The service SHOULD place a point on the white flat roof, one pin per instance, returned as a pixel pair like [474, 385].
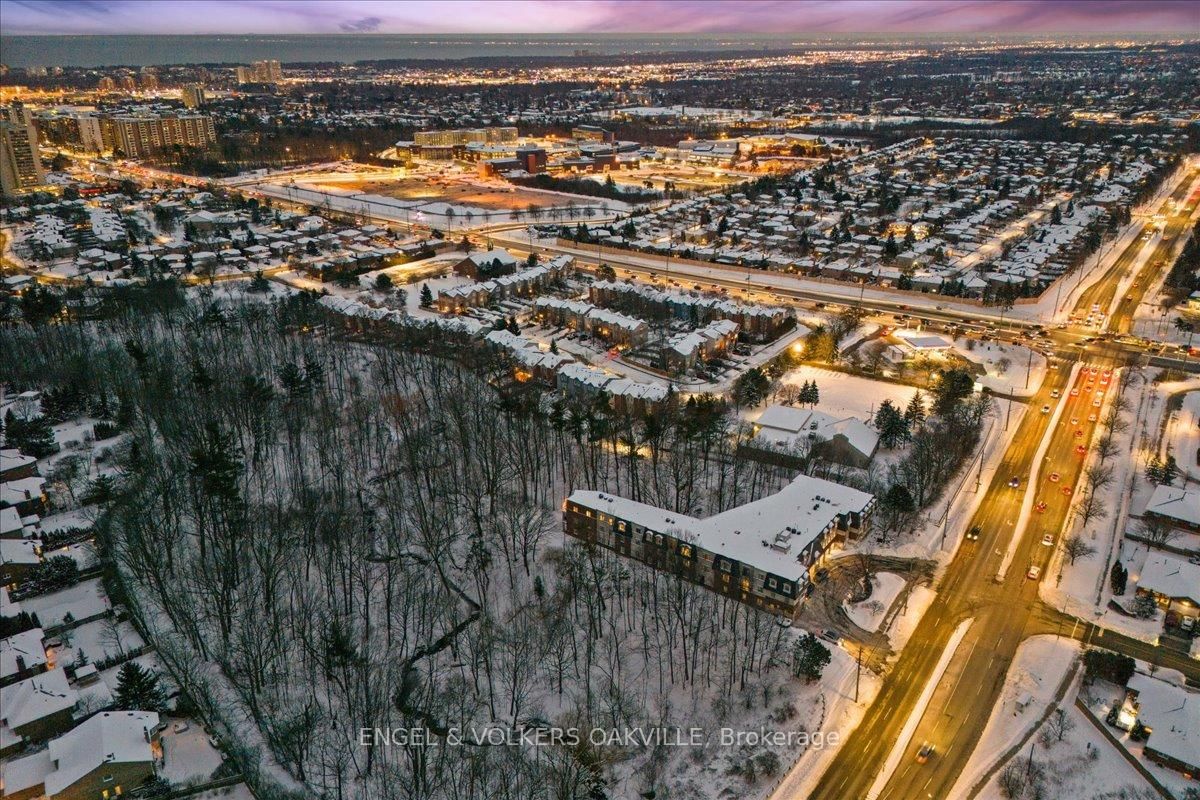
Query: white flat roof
[769, 534]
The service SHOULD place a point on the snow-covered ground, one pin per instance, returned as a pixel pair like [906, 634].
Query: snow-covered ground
[81, 601]
[849, 395]
[1084, 589]
[100, 640]
[1037, 671]
[1183, 436]
[841, 715]
[187, 754]
[1083, 765]
[1010, 367]
[870, 612]
[919, 601]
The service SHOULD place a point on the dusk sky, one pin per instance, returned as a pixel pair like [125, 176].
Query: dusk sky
[1179, 17]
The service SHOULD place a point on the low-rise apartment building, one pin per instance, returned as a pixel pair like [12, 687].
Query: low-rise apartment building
[762, 553]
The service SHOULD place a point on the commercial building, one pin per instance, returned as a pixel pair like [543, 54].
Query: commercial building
[464, 136]
[20, 166]
[762, 553]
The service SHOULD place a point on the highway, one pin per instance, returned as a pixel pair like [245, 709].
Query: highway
[1005, 611]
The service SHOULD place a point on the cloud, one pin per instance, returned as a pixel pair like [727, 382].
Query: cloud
[364, 25]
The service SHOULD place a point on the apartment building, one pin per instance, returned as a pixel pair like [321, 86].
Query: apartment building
[762, 553]
[20, 166]
[140, 135]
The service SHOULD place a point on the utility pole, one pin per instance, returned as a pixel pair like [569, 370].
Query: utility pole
[1028, 368]
[1029, 765]
[858, 671]
[1007, 414]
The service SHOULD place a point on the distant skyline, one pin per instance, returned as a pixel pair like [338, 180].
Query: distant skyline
[800, 17]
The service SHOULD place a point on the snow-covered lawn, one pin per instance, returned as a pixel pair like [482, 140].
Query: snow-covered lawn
[1037, 670]
[1183, 435]
[849, 395]
[82, 601]
[869, 613]
[1010, 367]
[100, 640]
[187, 754]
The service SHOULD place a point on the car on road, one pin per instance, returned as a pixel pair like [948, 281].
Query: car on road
[1045, 409]
[1053, 477]
[1097, 402]
[1040, 507]
[1081, 449]
[1079, 434]
[974, 532]
[925, 753]
[1066, 490]
[1033, 572]
[831, 636]
[1048, 540]
[1054, 392]
[1092, 417]
[1074, 420]
[1075, 392]
[1014, 482]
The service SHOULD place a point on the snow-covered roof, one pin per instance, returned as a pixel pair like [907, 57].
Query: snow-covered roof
[26, 646]
[1170, 575]
[784, 424]
[110, 737]
[1173, 715]
[10, 522]
[36, 698]
[18, 551]
[1175, 503]
[770, 534]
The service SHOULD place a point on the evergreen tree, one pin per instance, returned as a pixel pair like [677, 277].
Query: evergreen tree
[914, 413]
[809, 658]
[1170, 471]
[259, 283]
[554, 347]
[892, 427]
[1117, 577]
[139, 689]
[383, 282]
[426, 296]
[513, 328]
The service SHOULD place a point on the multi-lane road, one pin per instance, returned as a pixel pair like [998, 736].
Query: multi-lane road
[1005, 609]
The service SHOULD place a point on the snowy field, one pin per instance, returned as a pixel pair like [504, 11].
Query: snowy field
[849, 395]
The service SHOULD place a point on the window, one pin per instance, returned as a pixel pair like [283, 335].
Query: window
[658, 539]
[725, 565]
[771, 583]
[685, 550]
